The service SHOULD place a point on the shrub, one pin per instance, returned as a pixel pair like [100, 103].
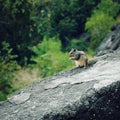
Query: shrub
[49, 58]
[7, 67]
[99, 25]
[80, 44]
[102, 19]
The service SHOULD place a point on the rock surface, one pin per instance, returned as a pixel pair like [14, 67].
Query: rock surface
[111, 42]
[77, 94]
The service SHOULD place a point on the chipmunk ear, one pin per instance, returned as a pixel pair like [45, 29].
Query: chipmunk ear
[73, 49]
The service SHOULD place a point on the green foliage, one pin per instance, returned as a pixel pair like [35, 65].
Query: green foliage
[7, 66]
[109, 7]
[99, 25]
[80, 44]
[64, 18]
[23, 23]
[91, 52]
[102, 19]
[16, 26]
[49, 58]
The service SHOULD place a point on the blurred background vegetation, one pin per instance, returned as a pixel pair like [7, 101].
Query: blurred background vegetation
[36, 36]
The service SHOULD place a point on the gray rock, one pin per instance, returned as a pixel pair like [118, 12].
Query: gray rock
[20, 98]
[76, 94]
[111, 42]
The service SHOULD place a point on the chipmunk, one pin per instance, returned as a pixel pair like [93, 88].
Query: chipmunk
[79, 57]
